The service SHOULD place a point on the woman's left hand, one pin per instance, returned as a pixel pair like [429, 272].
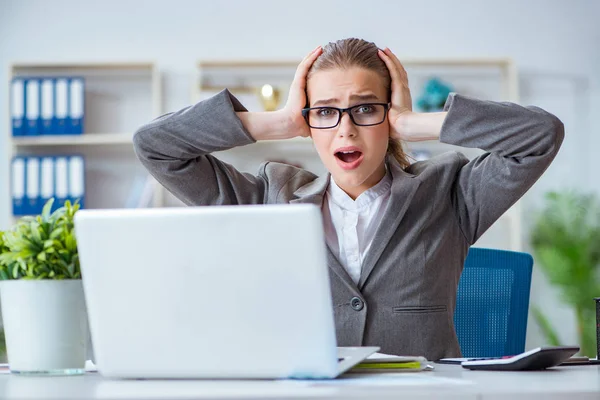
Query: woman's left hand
[405, 124]
[401, 99]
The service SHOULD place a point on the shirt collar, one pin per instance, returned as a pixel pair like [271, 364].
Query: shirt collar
[341, 198]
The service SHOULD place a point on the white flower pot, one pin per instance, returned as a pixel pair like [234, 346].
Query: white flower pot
[45, 324]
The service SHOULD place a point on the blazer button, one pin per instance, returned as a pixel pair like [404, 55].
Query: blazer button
[357, 304]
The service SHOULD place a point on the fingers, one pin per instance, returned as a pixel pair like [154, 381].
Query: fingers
[297, 96]
[304, 66]
[395, 75]
[398, 64]
[397, 71]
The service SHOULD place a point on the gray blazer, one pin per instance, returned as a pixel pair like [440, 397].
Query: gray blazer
[404, 301]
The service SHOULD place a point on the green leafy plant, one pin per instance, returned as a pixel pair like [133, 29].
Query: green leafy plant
[41, 247]
[566, 243]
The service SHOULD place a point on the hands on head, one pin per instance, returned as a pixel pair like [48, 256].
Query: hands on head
[401, 101]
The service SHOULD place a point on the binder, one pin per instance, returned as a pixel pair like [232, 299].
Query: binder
[76, 106]
[47, 181]
[32, 186]
[18, 185]
[76, 180]
[61, 188]
[61, 88]
[32, 106]
[47, 106]
[17, 106]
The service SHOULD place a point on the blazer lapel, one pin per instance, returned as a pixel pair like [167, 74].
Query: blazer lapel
[404, 186]
[313, 193]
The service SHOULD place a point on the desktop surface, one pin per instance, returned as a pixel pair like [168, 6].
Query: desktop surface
[447, 381]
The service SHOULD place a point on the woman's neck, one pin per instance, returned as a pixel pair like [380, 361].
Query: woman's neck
[371, 181]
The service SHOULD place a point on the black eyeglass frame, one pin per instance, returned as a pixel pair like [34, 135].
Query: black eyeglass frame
[348, 110]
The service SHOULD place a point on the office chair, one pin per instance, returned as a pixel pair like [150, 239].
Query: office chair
[492, 303]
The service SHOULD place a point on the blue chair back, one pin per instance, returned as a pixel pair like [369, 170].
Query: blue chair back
[492, 303]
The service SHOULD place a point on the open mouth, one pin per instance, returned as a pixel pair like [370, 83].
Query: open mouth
[348, 156]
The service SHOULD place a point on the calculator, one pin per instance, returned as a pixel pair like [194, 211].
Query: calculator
[536, 359]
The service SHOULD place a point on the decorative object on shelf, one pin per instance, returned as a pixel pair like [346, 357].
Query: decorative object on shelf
[269, 97]
[434, 95]
[37, 179]
[43, 305]
[47, 106]
[565, 240]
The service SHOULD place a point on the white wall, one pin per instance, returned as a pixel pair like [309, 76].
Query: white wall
[556, 46]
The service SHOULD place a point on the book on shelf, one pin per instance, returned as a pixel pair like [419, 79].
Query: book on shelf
[47, 106]
[34, 180]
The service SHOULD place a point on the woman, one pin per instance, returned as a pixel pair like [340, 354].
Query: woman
[397, 234]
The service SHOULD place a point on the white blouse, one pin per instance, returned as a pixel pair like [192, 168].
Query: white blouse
[350, 225]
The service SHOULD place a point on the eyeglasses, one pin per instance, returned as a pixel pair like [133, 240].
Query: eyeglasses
[368, 114]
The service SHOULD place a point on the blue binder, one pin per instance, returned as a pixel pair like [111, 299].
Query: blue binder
[47, 180]
[76, 106]
[61, 110]
[47, 106]
[61, 180]
[77, 180]
[17, 106]
[32, 186]
[18, 185]
[32, 106]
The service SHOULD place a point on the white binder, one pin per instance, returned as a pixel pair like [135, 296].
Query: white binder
[47, 180]
[17, 107]
[76, 106]
[76, 180]
[47, 92]
[32, 191]
[62, 178]
[18, 185]
[62, 103]
[32, 106]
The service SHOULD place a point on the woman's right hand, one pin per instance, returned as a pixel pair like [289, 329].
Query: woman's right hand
[292, 111]
[287, 122]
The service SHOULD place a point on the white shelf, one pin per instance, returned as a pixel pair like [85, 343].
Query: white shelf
[450, 62]
[80, 65]
[87, 139]
[243, 77]
[120, 96]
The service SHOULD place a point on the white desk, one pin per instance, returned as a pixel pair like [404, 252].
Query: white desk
[447, 381]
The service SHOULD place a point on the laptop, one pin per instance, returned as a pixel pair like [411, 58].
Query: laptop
[232, 292]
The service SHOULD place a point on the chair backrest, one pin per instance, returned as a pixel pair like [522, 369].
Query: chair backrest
[492, 303]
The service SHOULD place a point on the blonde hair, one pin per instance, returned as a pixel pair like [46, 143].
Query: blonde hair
[347, 53]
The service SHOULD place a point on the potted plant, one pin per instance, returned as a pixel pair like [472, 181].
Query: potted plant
[566, 242]
[41, 294]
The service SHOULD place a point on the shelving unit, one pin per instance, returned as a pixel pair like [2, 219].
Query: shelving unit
[73, 140]
[119, 97]
[490, 78]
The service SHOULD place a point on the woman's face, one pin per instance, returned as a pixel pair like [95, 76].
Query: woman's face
[354, 155]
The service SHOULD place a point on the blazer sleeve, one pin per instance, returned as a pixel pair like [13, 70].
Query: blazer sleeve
[176, 147]
[520, 143]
